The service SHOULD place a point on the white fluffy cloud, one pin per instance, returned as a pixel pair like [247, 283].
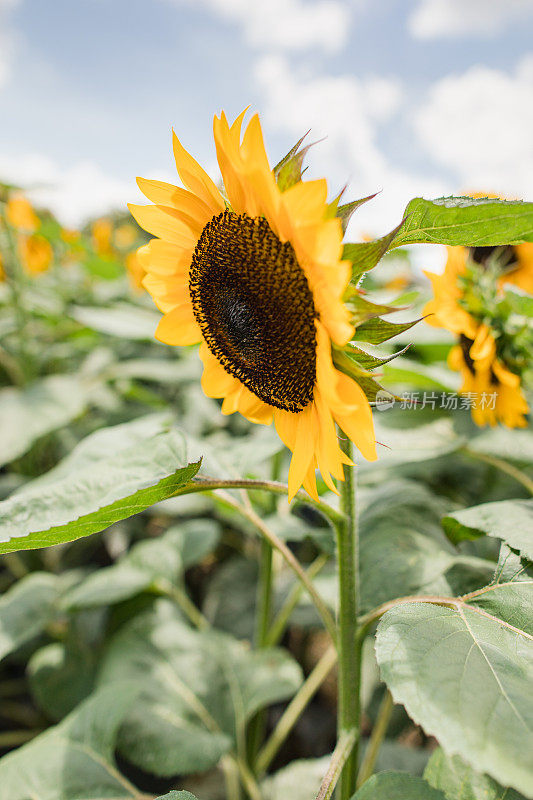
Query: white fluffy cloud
[349, 112]
[480, 126]
[287, 24]
[434, 19]
[74, 194]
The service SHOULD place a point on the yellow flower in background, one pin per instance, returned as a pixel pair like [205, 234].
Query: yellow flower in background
[20, 214]
[2, 270]
[102, 233]
[70, 235]
[136, 271]
[475, 357]
[520, 273]
[125, 236]
[35, 253]
[258, 280]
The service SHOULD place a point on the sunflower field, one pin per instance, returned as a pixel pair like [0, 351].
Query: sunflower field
[266, 515]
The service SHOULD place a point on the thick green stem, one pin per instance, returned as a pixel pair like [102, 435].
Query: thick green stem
[376, 738]
[348, 644]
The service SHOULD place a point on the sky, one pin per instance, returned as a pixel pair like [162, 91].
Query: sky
[413, 97]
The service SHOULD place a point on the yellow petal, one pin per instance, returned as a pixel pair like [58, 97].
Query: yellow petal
[165, 194]
[166, 259]
[179, 327]
[357, 425]
[166, 294]
[194, 177]
[163, 224]
[303, 453]
[216, 382]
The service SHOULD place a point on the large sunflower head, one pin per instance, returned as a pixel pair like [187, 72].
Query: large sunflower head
[255, 275]
[472, 299]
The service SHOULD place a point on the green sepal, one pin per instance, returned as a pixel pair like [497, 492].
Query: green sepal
[365, 255]
[344, 212]
[377, 331]
[362, 309]
[288, 171]
[366, 362]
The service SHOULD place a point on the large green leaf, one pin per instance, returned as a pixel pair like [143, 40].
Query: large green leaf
[112, 474]
[27, 414]
[458, 781]
[510, 520]
[26, 610]
[147, 566]
[200, 689]
[397, 786]
[73, 760]
[464, 673]
[466, 221]
[60, 676]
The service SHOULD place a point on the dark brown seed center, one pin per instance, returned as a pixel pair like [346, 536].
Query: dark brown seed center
[255, 308]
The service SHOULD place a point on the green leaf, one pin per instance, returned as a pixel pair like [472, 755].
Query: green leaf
[26, 609]
[466, 221]
[458, 781]
[200, 689]
[29, 413]
[377, 331]
[364, 256]
[61, 676]
[512, 445]
[464, 673]
[289, 171]
[73, 760]
[110, 475]
[397, 786]
[177, 796]
[300, 780]
[510, 520]
[122, 319]
[145, 566]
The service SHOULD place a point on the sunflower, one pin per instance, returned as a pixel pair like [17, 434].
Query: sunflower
[35, 253]
[256, 277]
[477, 355]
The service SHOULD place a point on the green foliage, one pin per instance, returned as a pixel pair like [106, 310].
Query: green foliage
[147, 640]
[200, 689]
[466, 221]
[74, 760]
[110, 475]
[458, 781]
[397, 786]
[29, 413]
[462, 672]
[510, 520]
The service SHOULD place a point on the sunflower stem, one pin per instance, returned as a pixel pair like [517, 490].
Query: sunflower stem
[348, 644]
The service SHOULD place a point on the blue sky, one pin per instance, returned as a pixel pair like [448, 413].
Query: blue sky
[415, 96]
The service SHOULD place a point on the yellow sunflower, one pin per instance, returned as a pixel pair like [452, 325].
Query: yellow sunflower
[497, 390]
[256, 277]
